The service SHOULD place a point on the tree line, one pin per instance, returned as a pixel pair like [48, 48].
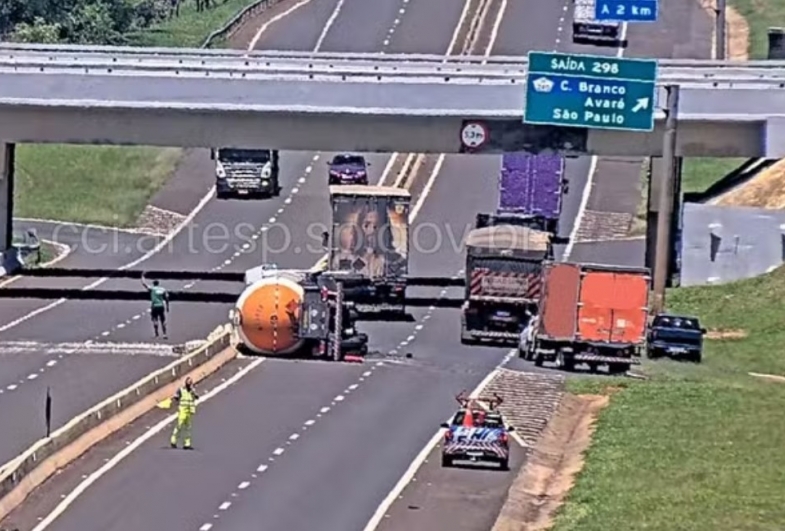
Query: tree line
[85, 21]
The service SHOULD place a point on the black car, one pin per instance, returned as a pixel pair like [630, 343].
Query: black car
[348, 169]
[677, 336]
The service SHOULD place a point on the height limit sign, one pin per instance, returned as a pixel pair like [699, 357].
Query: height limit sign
[474, 135]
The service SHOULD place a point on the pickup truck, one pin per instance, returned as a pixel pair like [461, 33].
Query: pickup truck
[677, 336]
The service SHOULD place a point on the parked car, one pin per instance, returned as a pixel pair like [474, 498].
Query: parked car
[677, 336]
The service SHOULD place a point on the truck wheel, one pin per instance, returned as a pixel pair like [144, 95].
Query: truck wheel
[696, 358]
[504, 464]
[566, 362]
[652, 353]
[538, 360]
[446, 461]
[222, 195]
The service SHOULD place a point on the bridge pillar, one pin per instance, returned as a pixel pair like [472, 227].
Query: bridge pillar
[6, 196]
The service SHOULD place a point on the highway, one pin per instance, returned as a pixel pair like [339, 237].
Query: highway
[344, 460]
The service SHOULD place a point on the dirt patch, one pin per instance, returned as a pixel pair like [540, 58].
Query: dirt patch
[765, 190]
[769, 377]
[725, 334]
[550, 471]
[737, 32]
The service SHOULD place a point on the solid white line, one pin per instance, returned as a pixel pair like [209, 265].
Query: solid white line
[149, 254]
[427, 189]
[581, 208]
[592, 170]
[329, 25]
[272, 21]
[388, 168]
[454, 39]
[415, 465]
[125, 452]
[495, 30]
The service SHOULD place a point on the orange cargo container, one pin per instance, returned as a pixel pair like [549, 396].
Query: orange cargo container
[594, 304]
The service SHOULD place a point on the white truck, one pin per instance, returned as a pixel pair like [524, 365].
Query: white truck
[587, 30]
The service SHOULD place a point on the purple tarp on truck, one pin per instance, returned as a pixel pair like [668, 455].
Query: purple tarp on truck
[531, 185]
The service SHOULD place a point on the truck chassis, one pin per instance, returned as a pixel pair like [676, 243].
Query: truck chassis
[567, 355]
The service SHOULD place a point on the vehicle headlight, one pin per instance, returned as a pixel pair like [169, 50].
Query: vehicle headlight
[265, 182]
[220, 172]
[349, 331]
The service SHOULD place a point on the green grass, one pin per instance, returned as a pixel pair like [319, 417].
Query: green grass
[760, 16]
[701, 172]
[695, 447]
[106, 184]
[190, 29]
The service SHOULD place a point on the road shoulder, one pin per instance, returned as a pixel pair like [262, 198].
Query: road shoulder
[542, 485]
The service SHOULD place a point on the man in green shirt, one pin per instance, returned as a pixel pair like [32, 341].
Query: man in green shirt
[159, 305]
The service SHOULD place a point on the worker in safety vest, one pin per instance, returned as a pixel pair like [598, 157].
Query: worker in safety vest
[186, 398]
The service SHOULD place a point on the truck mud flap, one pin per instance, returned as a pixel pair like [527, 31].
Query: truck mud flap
[593, 358]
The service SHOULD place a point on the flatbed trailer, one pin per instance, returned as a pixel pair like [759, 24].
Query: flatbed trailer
[592, 314]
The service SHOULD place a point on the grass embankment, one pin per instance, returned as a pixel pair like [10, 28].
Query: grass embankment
[695, 447]
[701, 172]
[760, 16]
[110, 185]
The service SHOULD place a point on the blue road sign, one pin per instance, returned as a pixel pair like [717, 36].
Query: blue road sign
[626, 10]
[590, 91]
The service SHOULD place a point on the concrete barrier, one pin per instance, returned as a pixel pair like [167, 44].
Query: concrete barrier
[21, 475]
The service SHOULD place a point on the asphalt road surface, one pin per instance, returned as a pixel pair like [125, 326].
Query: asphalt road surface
[335, 475]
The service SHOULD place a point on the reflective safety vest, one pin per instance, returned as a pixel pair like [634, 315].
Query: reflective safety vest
[187, 401]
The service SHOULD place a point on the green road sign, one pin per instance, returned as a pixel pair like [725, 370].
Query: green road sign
[590, 91]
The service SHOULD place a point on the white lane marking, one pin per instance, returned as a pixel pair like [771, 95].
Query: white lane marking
[294, 436]
[225, 505]
[261, 468]
[339, 398]
[454, 39]
[330, 22]
[149, 254]
[415, 465]
[206, 527]
[278, 451]
[388, 168]
[427, 189]
[139, 441]
[592, 171]
[244, 485]
[310, 422]
[258, 35]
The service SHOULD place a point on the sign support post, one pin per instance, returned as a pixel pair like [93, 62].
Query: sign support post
[662, 251]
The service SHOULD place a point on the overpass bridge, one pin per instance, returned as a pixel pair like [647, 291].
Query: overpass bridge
[365, 102]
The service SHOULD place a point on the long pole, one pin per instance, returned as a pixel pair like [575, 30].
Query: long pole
[720, 29]
[662, 251]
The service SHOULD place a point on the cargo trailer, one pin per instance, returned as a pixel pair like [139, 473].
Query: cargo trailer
[531, 186]
[592, 314]
[587, 30]
[503, 281]
[370, 238]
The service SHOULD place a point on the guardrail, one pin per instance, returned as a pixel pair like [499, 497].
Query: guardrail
[238, 20]
[21, 475]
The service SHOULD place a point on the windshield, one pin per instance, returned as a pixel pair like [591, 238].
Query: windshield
[683, 323]
[258, 155]
[354, 160]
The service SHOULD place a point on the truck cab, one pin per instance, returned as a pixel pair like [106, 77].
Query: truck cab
[246, 173]
[587, 30]
[678, 336]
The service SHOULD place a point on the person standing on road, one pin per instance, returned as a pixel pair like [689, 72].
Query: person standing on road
[159, 305]
[186, 398]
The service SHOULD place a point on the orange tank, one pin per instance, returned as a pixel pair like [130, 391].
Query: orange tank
[267, 313]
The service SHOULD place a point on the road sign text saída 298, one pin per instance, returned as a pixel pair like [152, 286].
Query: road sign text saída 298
[590, 91]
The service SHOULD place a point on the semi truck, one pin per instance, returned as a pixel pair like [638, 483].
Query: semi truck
[503, 280]
[247, 173]
[587, 30]
[294, 313]
[531, 186]
[369, 237]
[592, 314]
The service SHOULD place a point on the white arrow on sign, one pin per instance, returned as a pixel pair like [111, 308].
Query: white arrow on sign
[643, 103]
